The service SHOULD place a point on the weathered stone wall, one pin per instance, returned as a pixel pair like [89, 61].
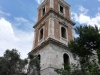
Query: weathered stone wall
[52, 57]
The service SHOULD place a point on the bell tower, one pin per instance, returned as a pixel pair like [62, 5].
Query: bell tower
[53, 31]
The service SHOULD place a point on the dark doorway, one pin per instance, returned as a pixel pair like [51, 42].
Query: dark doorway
[66, 60]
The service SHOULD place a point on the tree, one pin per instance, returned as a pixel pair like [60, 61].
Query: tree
[33, 65]
[11, 63]
[84, 46]
[86, 43]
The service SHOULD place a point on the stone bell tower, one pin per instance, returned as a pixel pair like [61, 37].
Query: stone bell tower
[53, 31]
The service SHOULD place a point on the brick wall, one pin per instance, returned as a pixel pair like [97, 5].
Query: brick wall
[56, 5]
[67, 12]
[36, 38]
[70, 37]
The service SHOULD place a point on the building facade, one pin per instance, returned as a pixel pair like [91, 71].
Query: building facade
[53, 32]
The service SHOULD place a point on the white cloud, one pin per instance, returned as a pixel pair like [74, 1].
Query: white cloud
[6, 27]
[14, 38]
[39, 1]
[3, 13]
[83, 10]
[86, 19]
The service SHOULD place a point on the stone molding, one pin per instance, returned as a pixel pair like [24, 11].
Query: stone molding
[64, 3]
[48, 41]
[53, 13]
[42, 4]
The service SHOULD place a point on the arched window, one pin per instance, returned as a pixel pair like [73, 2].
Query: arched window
[66, 60]
[39, 57]
[41, 33]
[61, 9]
[43, 11]
[63, 32]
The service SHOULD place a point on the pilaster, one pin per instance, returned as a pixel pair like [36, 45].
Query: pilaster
[51, 27]
[51, 3]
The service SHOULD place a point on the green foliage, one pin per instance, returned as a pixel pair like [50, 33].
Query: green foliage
[30, 55]
[34, 64]
[65, 71]
[66, 67]
[11, 63]
[93, 69]
[98, 54]
[86, 69]
[62, 71]
[34, 60]
[87, 42]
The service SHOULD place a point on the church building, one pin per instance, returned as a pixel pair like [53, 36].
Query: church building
[53, 32]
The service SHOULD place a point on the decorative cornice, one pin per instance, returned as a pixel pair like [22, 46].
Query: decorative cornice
[43, 3]
[48, 41]
[55, 12]
[63, 2]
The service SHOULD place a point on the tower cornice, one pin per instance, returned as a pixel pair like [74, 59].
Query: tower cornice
[55, 12]
[48, 41]
[59, 1]
[64, 3]
[43, 3]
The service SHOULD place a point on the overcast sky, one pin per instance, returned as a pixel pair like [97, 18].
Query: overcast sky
[18, 16]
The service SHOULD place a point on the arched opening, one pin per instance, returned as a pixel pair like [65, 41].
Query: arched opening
[41, 33]
[39, 57]
[63, 32]
[61, 9]
[43, 11]
[66, 60]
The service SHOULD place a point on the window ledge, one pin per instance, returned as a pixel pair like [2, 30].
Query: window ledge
[64, 39]
[41, 40]
[61, 13]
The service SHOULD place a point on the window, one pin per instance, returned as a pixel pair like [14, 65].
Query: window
[39, 58]
[41, 33]
[61, 9]
[43, 11]
[63, 32]
[66, 60]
